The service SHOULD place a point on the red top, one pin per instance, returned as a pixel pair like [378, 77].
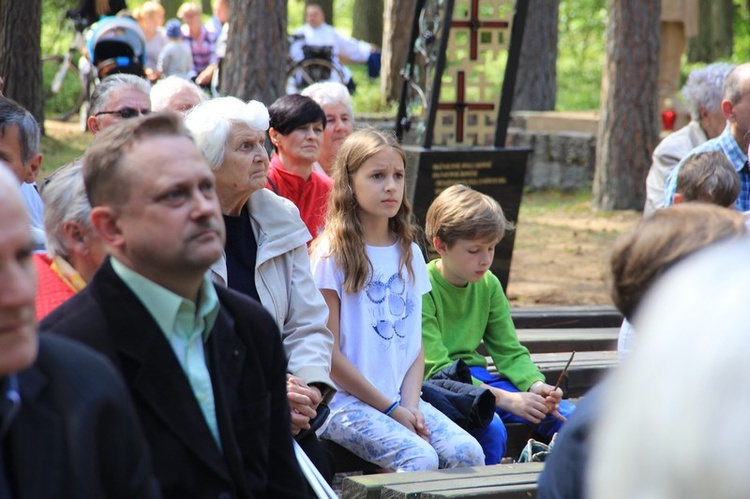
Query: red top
[310, 196]
[51, 291]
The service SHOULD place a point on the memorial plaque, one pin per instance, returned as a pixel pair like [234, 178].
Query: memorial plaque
[499, 174]
[463, 68]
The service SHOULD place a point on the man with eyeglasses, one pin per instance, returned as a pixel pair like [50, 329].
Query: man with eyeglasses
[54, 393]
[117, 98]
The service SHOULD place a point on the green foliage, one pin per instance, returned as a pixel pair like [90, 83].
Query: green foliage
[740, 31]
[581, 49]
[55, 37]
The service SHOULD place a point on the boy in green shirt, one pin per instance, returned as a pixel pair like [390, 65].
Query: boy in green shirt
[467, 306]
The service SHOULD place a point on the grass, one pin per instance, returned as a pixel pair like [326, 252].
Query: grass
[61, 144]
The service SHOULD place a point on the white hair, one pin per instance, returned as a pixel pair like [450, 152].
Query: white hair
[329, 93]
[704, 88]
[164, 89]
[118, 81]
[674, 417]
[64, 201]
[210, 123]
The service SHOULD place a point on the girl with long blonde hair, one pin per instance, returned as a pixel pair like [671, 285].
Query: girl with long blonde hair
[372, 276]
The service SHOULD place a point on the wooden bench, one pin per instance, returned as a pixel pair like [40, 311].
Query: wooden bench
[554, 340]
[550, 334]
[498, 481]
[584, 372]
[346, 462]
[596, 354]
[566, 317]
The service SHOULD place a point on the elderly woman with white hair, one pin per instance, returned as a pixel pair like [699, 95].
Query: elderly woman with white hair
[74, 248]
[176, 94]
[334, 98]
[266, 254]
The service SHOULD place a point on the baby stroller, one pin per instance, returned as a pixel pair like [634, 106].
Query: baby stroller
[117, 45]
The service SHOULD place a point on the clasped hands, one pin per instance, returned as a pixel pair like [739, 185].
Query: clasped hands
[303, 401]
[413, 419]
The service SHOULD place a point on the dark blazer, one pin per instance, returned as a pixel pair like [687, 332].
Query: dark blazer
[76, 434]
[247, 366]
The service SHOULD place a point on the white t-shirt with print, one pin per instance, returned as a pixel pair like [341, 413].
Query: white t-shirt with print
[380, 329]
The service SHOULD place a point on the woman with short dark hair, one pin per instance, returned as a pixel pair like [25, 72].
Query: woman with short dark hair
[296, 132]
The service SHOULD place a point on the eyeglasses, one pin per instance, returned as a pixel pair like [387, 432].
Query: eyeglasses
[126, 113]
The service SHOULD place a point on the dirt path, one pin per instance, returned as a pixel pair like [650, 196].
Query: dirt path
[562, 250]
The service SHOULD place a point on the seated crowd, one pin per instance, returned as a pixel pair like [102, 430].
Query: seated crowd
[241, 309]
[169, 253]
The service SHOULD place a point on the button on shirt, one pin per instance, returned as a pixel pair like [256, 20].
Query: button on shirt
[186, 328]
[725, 143]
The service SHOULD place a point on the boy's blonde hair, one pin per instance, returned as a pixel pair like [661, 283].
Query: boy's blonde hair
[460, 212]
[343, 228]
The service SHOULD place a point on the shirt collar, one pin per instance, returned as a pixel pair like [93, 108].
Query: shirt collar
[164, 305]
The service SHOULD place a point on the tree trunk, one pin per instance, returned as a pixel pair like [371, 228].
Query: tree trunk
[21, 54]
[367, 21]
[536, 85]
[397, 21]
[327, 6]
[714, 39]
[170, 8]
[628, 130]
[206, 6]
[257, 49]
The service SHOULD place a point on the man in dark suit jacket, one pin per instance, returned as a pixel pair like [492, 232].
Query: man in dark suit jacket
[204, 365]
[67, 427]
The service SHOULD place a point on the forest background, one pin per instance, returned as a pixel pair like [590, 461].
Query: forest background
[563, 242]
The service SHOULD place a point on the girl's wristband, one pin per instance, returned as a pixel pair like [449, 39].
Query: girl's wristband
[392, 408]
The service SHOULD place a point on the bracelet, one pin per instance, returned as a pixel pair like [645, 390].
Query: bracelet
[392, 408]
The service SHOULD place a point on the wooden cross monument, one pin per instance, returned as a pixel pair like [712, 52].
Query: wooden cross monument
[459, 79]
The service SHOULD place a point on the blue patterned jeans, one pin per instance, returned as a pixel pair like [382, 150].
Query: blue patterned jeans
[380, 439]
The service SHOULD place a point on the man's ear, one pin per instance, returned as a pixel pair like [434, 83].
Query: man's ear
[678, 198]
[439, 245]
[93, 123]
[34, 168]
[106, 223]
[728, 109]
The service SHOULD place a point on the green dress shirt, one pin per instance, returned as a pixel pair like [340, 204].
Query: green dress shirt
[186, 327]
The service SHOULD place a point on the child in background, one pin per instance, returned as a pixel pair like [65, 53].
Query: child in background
[467, 306]
[175, 59]
[707, 177]
[372, 277]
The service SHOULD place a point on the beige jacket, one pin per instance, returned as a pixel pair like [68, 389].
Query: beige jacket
[667, 155]
[286, 287]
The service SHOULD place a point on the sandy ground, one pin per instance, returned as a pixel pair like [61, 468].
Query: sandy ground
[562, 258]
